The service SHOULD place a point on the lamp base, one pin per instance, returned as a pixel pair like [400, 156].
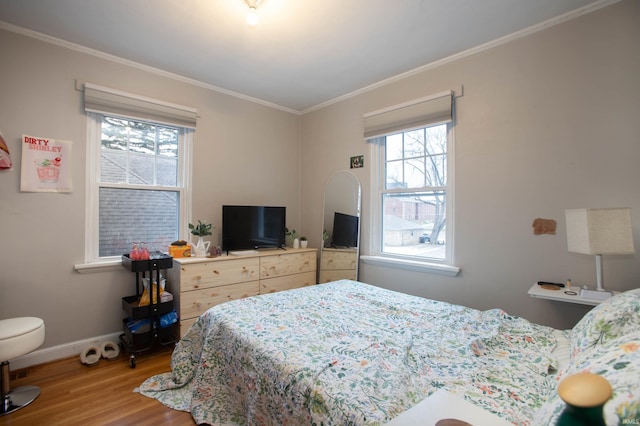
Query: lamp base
[595, 294]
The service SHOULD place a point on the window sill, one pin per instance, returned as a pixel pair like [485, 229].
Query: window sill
[103, 266]
[412, 265]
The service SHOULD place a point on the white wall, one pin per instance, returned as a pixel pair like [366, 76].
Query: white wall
[547, 122]
[243, 153]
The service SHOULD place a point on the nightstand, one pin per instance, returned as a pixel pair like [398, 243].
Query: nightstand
[560, 295]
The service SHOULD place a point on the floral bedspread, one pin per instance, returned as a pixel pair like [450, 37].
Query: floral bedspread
[348, 353]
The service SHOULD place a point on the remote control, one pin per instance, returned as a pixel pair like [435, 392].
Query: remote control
[549, 283]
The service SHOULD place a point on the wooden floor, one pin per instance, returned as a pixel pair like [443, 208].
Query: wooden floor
[74, 394]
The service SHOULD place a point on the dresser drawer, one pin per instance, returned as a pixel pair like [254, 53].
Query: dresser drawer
[287, 264]
[197, 276]
[338, 260]
[337, 274]
[194, 303]
[271, 285]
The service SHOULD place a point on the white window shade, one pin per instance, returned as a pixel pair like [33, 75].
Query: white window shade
[436, 109]
[108, 101]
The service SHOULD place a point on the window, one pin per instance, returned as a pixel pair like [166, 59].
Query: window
[412, 201]
[414, 194]
[138, 174]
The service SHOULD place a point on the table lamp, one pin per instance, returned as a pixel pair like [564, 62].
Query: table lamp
[598, 232]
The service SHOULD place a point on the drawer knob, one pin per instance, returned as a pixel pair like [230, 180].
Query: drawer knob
[216, 272]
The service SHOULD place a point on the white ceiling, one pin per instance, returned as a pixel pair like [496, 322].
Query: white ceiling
[303, 53]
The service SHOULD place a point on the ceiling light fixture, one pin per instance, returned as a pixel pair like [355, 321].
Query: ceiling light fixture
[252, 16]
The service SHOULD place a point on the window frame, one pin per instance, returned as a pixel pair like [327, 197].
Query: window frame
[376, 255]
[183, 186]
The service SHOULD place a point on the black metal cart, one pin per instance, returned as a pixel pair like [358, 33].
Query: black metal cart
[144, 340]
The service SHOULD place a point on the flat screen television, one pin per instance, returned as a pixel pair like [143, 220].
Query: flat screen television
[253, 227]
[345, 230]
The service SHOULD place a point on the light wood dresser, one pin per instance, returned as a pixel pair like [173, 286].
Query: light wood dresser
[338, 264]
[198, 283]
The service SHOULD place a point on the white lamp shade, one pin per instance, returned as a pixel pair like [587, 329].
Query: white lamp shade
[599, 231]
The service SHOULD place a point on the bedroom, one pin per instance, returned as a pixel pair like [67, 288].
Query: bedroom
[530, 138]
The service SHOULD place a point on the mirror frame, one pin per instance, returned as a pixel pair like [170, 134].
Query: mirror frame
[349, 203]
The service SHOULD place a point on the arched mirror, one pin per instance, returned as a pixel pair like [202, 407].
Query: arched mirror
[341, 228]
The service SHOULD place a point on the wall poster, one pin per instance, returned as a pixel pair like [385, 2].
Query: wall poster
[46, 165]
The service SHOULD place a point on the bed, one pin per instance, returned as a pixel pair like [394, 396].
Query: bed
[349, 353]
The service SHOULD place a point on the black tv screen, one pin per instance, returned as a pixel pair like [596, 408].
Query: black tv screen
[253, 227]
[345, 230]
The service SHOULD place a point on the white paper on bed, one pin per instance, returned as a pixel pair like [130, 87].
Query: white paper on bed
[445, 405]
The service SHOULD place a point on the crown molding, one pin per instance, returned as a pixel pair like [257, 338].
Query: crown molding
[473, 51]
[97, 53]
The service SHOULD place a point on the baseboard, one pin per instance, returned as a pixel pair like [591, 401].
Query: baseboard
[67, 350]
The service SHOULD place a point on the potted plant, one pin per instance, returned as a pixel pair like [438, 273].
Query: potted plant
[294, 237]
[303, 242]
[202, 229]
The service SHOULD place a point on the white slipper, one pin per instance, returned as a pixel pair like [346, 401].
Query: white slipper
[90, 356]
[110, 350]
